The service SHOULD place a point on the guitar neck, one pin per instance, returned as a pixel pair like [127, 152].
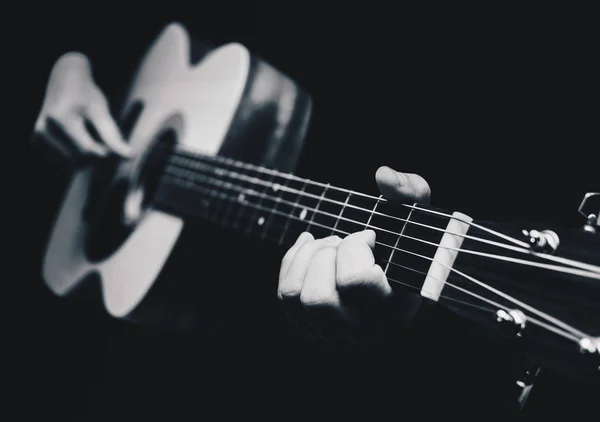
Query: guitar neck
[417, 246]
[276, 207]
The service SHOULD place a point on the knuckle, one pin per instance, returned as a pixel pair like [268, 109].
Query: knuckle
[40, 126]
[61, 111]
[354, 277]
[85, 148]
[285, 293]
[315, 299]
[287, 258]
[325, 253]
[423, 191]
[73, 58]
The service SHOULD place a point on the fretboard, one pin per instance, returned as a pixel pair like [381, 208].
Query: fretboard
[277, 207]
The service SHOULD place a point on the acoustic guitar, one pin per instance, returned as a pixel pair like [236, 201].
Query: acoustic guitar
[218, 141]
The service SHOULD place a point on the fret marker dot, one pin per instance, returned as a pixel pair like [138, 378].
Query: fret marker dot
[303, 214]
[275, 187]
[261, 221]
[241, 197]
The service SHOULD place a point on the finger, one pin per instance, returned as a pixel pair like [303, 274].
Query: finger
[330, 319]
[57, 135]
[82, 140]
[291, 253]
[54, 144]
[291, 284]
[402, 187]
[319, 293]
[356, 269]
[99, 115]
[43, 138]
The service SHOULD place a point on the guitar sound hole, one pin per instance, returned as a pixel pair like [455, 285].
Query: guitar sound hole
[109, 215]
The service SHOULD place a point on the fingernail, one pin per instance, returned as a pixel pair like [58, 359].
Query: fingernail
[369, 233]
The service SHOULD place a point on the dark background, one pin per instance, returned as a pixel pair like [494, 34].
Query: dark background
[497, 109]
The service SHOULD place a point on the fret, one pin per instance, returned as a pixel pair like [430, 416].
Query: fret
[278, 216]
[246, 195]
[196, 172]
[314, 197]
[320, 222]
[387, 220]
[329, 209]
[232, 186]
[290, 206]
[416, 247]
[262, 202]
[224, 196]
[337, 220]
[355, 214]
[390, 258]
[316, 210]
[373, 212]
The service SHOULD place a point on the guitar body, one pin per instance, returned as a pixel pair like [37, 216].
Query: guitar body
[536, 285]
[230, 103]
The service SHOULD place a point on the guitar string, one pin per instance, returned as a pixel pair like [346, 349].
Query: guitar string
[187, 154]
[495, 291]
[527, 250]
[537, 322]
[557, 322]
[246, 191]
[184, 151]
[556, 330]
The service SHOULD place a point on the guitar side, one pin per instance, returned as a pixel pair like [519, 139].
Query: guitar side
[209, 107]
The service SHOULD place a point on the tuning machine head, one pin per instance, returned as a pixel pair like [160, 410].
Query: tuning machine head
[590, 347]
[590, 209]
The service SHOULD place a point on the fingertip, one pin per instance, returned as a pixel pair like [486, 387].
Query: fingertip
[370, 236]
[369, 232]
[332, 240]
[378, 269]
[98, 150]
[402, 187]
[124, 150]
[381, 276]
[388, 177]
[304, 237]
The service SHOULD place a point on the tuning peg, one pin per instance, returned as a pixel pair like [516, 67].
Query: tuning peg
[590, 209]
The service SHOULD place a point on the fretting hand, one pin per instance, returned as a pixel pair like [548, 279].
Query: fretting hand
[71, 103]
[332, 287]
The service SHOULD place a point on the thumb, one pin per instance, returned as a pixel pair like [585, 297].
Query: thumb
[402, 187]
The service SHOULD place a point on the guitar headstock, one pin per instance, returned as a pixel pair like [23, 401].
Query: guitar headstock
[538, 285]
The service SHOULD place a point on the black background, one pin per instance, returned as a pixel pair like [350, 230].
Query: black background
[497, 109]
